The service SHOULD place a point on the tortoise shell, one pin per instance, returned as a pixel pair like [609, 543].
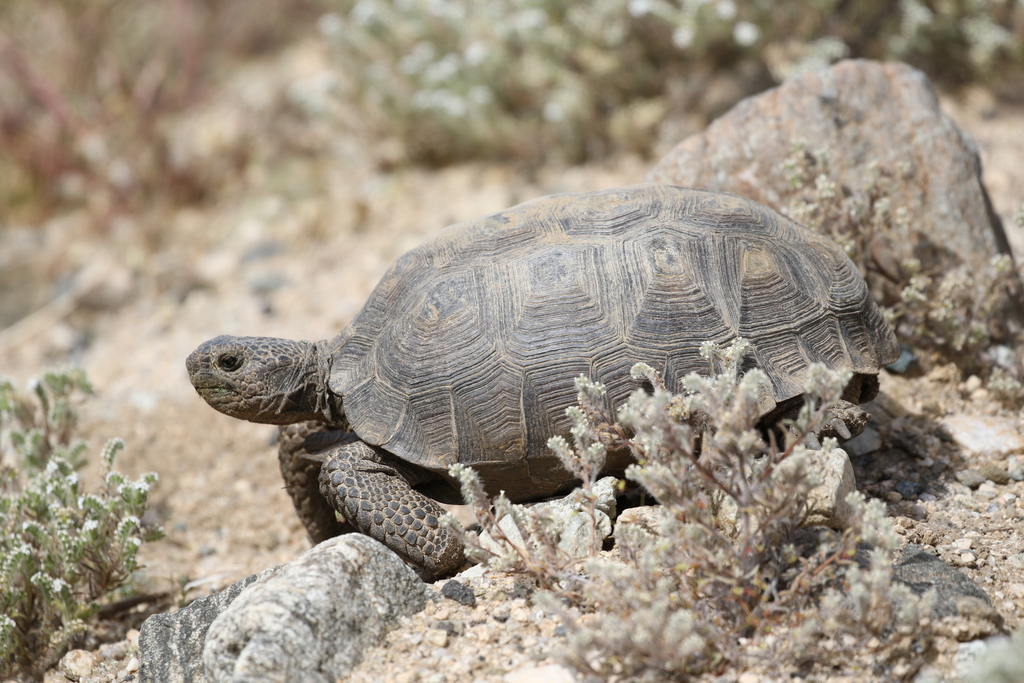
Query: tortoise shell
[467, 349]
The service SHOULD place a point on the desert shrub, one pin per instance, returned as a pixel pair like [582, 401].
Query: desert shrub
[956, 313]
[88, 91]
[730, 579]
[64, 550]
[1002, 662]
[452, 79]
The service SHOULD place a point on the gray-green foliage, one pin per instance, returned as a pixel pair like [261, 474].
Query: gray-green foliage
[956, 312]
[730, 577]
[452, 79]
[1001, 662]
[64, 549]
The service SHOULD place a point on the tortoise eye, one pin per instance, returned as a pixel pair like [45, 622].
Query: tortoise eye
[229, 362]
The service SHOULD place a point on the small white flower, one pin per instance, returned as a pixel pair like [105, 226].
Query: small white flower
[682, 37]
[726, 10]
[442, 70]
[363, 13]
[639, 8]
[476, 53]
[480, 95]
[530, 19]
[553, 112]
[745, 33]
[330, 25]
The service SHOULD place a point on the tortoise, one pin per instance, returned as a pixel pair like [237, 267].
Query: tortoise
[467, 349]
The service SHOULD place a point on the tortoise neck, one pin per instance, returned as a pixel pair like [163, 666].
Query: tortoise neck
[327, 403]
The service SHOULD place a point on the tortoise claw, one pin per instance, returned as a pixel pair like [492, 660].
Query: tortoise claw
[841, 428]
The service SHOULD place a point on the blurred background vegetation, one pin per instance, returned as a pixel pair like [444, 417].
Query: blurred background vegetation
[99, 99]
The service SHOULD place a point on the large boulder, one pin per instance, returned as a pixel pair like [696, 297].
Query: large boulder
[171, 643]
[313, 618]
[841, 147]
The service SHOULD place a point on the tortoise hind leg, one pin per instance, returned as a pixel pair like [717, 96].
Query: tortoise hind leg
[844, 421]
[374, 491]
[300, 468]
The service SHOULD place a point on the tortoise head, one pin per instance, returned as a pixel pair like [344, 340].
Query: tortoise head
[265, 379]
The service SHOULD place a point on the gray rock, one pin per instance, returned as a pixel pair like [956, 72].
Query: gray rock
[313, 619]
[905, 363]
[459, 592]
[995, 473]
[1003, 356]
[866, 442]
[1015, 468]
[639, 523]
[872, 118]
[984, 436]
[959, 600]
[569, 519]
[171, 644]
[907, 489]
[970, 478]
[833, 479]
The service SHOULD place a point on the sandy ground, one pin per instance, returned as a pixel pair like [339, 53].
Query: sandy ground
[283, 264]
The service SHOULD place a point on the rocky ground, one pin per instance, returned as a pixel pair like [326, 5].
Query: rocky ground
[276, 260]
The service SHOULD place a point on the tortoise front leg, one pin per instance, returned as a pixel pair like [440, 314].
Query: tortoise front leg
[297, 453]
[373, 490]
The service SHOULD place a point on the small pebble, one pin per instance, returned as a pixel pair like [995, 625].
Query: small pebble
[967, 559]
[927, 498]
[970, 478]
[894, 496]
[133, 665]
[521, 614]
[1017, 590]
[115, 651]
[1015, 468]
[459, 592]
[437, 637]
[917, 512]
[748, 677]
[906, 361]
[77, 664]
[995, 473]
[866, 442]
[908, 489]
[987, 490]
[406, 677]
[973, 383]
[1004, 356]
[963, 543]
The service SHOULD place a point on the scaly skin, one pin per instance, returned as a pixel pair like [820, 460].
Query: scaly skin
[301, 450]
[284, 382]
[374, 491]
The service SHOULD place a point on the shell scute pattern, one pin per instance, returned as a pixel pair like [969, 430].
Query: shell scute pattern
[469, 346]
